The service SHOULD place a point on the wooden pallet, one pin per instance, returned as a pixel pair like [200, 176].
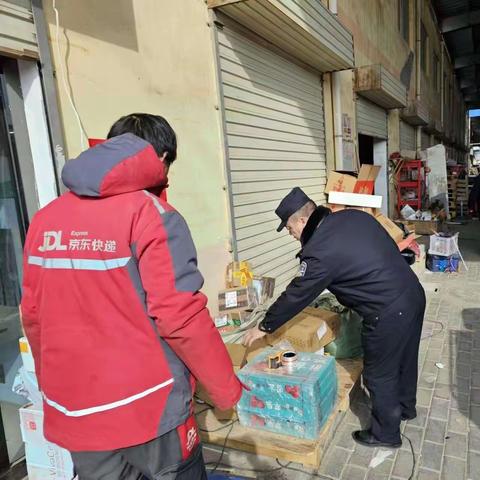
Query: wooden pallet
[291, 449]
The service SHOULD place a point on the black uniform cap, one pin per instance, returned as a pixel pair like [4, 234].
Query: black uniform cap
[292, 203]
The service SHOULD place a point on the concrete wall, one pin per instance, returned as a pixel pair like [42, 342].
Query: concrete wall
[428, 91]
[377, 38]
[125, 56]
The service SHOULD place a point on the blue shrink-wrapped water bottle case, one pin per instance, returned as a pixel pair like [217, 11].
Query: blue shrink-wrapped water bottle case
[293, 400]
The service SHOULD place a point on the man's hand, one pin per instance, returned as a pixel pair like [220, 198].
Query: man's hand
[252, 335]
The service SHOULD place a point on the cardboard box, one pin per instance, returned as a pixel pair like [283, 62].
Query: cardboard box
[42, 456]
[346, 182]
[389, 225]
[366, 179]
[309, 331]
[423, 227]
[296, 400]
[26, 354]
[340, 182]
[236, 299]
[238, 274]
[355, 199]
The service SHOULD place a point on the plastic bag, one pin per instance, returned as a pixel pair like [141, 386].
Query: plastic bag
[348, 343]
[26, 385]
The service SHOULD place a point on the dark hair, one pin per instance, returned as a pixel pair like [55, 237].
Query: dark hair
[152, 128]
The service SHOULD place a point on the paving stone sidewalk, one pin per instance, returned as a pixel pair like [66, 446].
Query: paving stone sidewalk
[445, 437]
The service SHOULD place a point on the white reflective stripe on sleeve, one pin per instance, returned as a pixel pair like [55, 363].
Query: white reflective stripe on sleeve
[108, 406]
[78, 263]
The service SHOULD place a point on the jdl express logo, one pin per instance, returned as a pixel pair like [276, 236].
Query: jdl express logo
[52, 241]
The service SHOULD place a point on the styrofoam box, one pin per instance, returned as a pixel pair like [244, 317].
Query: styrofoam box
[31, 424]
[48, 456]
[40, 453]
[43, 473]
[294, 400]
[443, 246]
[355, 199]
[26, 353]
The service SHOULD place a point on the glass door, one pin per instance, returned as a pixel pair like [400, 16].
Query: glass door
[13, 223]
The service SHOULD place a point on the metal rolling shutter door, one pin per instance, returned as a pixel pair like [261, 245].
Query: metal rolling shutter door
[18, 37]
[371, 119]
[407, 136]
[425, 140]
[275, 141]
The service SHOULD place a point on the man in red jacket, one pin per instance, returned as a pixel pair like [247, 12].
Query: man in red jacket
[113, 311]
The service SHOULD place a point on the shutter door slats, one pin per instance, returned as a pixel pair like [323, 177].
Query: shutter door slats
[407, 136]
[371, 119]
[276, 141]
[18, 36]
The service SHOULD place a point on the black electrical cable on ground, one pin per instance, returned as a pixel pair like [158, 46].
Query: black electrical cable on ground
[414, 458]
[224, 445]
[434, 334]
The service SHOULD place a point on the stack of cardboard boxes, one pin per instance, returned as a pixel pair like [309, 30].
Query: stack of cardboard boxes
[244, 292]
[347, 191]
[44, 459]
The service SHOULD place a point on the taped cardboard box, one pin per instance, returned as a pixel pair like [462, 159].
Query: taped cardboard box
[235, 299]
[309, 331]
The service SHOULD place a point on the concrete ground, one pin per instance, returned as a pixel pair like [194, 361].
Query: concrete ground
[445, 437]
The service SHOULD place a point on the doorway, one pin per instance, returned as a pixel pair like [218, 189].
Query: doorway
[373, 151]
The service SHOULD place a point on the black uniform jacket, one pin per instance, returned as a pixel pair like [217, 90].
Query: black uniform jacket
[353, 256]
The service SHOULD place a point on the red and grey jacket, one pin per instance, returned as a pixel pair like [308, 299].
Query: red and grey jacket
[112, 306]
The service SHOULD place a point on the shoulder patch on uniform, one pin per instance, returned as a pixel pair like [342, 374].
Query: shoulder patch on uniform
[303, 269]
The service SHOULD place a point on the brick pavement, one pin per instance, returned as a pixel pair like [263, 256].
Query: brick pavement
[445, 436]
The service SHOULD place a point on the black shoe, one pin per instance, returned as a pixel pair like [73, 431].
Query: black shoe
[406, 417]
[365, 438]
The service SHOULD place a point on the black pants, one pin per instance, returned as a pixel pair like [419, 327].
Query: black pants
[159, 459]
[391, 341]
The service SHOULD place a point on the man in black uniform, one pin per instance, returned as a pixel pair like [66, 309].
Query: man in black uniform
[352, 255]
